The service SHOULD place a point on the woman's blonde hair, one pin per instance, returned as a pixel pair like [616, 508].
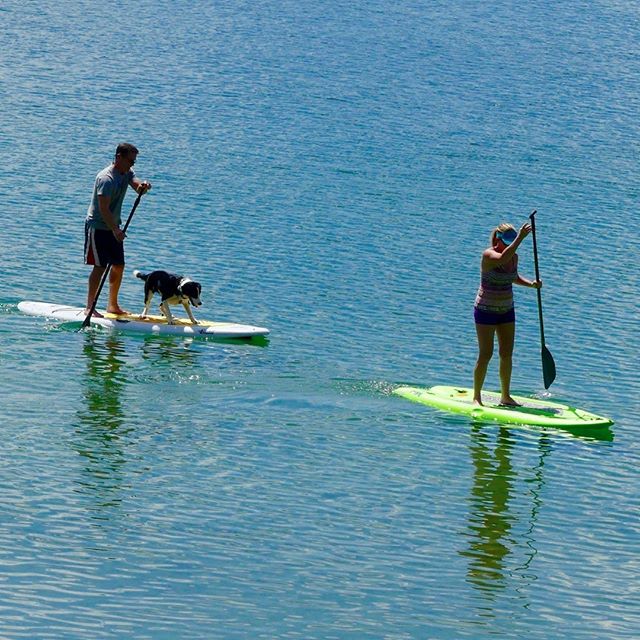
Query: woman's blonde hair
[501, 228]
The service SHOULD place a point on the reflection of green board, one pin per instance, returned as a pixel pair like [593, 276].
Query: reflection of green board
[533, 411]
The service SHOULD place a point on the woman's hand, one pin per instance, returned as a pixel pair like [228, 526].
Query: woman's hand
[537, 284]
[525, 230]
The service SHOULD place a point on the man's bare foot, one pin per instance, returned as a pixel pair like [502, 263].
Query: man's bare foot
[509, 402]
[117, 311]
[478, 402]
[95, 314]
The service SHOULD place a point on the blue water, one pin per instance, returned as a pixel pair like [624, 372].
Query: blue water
[331, 171]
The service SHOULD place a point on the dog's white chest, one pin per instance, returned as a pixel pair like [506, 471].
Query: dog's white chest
[177, 299]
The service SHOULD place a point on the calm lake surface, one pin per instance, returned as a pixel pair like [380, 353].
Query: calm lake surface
[331, 171]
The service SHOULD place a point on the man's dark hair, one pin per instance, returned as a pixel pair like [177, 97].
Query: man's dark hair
[126, 149]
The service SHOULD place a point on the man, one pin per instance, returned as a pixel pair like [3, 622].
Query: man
[103, 237]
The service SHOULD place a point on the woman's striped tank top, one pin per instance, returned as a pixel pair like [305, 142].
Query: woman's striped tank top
[495, 293]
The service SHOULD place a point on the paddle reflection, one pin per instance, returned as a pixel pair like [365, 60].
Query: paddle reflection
[535, 484]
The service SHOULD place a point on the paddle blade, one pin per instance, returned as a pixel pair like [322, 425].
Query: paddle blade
[548, 367]
[86, 322]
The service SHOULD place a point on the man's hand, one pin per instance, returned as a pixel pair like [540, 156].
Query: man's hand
[119, 234]
[144, 187]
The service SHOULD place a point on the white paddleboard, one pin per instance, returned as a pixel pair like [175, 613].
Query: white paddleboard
[150, 324]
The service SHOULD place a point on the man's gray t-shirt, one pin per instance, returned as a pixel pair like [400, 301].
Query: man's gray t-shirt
[112, 183]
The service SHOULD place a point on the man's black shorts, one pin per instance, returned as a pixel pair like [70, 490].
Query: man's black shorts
[101, 247]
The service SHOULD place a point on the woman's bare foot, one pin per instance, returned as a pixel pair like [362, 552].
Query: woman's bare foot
[478, 402]
[509, 402]
[117, 311]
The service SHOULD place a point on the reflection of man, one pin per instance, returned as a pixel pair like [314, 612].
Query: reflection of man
[490, 520]
[104, 382]
[103, 239]
[101, 422]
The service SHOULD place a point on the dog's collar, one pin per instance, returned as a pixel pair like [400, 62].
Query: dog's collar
[183, 282]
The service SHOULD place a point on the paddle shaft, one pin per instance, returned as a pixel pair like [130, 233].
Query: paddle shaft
[548, 364]
[87, 320]
[532, 217]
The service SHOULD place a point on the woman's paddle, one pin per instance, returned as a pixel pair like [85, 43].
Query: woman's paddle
[548, 365]
[87, 320]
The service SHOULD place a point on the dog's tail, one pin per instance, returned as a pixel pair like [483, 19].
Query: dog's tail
[139, 274]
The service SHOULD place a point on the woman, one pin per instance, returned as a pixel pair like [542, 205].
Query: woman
[493, 309]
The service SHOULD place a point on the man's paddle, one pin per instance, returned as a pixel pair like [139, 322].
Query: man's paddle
[548, 365]
[87, 320]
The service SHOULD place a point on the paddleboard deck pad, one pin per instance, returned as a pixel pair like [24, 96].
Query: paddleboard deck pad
[533, 411]
[150, 324]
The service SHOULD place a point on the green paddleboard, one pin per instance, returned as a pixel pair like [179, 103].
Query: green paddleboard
[542, 413]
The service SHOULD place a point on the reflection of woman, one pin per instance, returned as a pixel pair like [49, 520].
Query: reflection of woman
[490, 521]
[493, 311]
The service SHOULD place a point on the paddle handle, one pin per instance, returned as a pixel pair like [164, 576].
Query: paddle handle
[532, 217]
[133, 210]
[87, 320]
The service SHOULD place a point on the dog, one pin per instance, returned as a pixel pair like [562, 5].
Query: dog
[173, 289]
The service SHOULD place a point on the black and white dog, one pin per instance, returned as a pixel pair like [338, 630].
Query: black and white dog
[172, 289]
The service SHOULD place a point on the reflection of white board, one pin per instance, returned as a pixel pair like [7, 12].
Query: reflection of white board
[151, 324]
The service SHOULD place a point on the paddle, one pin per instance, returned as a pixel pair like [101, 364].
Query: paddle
[87, 320]
[548, 365]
